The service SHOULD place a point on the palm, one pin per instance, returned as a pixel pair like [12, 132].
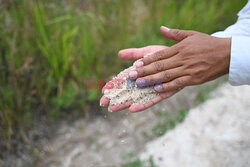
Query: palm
[135, 54]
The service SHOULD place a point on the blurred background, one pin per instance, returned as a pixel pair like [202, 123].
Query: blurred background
[48, 49]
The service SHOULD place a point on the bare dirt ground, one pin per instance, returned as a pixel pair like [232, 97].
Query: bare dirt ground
[214, 134]
[100, 141]
[104, 141]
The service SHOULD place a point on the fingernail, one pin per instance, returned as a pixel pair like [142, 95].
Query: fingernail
[120, 54]
[158, 87]
[133, 74]
[165, 28]
[140, 82]
[139, 64]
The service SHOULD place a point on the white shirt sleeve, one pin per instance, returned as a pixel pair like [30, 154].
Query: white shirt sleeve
[239, 72]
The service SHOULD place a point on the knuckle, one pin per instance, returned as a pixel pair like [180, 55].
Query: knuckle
[166, 87]
[187, 51]
[159, 55]
[180, 46]
[197, 80]
[166, 75]
[158, 66]
[179, 83]
[144, 60]
[147, 60]
[178, 33]
[198, 75]
[141, 72]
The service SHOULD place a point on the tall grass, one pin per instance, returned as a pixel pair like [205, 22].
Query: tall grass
[49, 48]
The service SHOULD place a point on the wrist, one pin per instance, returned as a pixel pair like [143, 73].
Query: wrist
[226, 53]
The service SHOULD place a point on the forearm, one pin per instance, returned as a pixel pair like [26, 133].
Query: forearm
[239, 70]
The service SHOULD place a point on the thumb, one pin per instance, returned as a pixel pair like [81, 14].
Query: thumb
[175, 34]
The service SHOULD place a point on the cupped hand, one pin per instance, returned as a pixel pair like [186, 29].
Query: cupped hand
[135, 54]
[196, 59]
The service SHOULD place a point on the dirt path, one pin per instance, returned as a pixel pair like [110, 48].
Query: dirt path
[105, 141]
[102, 141]
[214, 134]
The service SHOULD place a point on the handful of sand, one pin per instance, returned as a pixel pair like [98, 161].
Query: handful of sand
[123, 89]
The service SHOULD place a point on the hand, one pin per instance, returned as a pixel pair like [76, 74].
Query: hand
[196, 59]
[135, 54]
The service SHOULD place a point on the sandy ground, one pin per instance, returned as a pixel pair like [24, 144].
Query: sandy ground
[101, 141]
[214, 134]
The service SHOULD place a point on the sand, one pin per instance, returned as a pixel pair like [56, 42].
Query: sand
[214, 134]
[127, 90]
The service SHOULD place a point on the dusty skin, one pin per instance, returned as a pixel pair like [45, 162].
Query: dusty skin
[121, 90]
[135, 54]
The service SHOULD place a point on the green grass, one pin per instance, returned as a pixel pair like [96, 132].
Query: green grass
[170, 120]
[49, 48]
[139, 163]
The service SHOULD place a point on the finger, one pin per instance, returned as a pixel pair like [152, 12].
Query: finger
[154, 68]
[120, 107]
[175, 34]
[137, 53]
[123, 75]
[174, 85]
[104, 101]
[160, 55]
[114, 83]
[108, 85]
[140, 107]
[161, 77]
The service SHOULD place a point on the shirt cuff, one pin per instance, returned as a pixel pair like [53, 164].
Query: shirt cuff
[239, 72]
[221, 34]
